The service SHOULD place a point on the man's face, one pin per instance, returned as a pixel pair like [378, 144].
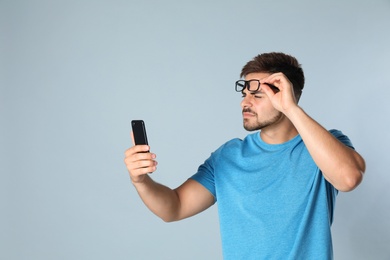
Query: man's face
[257, 110]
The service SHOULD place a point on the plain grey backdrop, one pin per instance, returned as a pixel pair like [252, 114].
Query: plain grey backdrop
[73, 74]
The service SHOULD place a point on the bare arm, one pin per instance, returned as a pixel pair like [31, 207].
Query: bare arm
[169, 204]
[341, 166]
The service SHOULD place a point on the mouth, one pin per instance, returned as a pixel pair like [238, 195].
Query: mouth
[246, 113]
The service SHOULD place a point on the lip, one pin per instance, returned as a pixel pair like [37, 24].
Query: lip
[247, 114]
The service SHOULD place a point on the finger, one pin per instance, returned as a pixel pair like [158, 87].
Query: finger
[144, 164]
[279, 80]
[142, 156]
[273, 79]
[142, 171]
[134, 158]
[138, 161]
[141, 167]
[267, 90]
[137, 149]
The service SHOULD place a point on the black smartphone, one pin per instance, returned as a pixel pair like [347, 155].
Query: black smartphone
[139, 132]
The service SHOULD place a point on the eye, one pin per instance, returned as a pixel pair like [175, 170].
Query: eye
[258, 94]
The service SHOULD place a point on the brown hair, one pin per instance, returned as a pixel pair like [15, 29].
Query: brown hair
[274, 62]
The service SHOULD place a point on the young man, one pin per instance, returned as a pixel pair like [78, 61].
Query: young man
[276, 188]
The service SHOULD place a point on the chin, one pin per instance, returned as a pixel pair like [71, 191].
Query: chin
[256, 125]
[251, 128]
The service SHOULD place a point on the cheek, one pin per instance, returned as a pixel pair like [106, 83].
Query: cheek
[264, 106]
[262, 103]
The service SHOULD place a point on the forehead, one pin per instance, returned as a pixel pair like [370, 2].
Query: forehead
[257, 75]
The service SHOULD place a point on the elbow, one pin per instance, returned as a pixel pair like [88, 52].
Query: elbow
[171, 217]
[168, 219]
[353, 176]
[351, 181]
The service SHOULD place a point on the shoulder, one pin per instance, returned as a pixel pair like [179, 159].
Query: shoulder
[228, 146]
[236, 148]
[238, 142]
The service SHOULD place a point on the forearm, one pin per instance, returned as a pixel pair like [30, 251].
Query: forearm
[161, 200]
[341, 165]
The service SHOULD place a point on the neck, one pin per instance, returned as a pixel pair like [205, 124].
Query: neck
[279, 133]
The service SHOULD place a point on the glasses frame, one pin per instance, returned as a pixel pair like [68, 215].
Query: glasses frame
[241, 85]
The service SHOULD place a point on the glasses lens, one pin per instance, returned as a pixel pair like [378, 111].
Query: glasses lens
[253, 85]
[240, 85]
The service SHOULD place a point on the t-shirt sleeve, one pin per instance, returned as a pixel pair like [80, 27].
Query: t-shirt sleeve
[342, 138]
[205, 176]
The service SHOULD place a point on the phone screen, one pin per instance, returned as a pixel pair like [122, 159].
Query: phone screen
[139, 132]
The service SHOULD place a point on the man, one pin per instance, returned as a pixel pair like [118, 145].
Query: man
[276, 188]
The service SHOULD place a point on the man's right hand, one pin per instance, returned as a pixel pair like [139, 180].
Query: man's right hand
[140, 162]
[170, 205]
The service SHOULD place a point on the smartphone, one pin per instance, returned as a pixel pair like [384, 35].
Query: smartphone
[139, 132]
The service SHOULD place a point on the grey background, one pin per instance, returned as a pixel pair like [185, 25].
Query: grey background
[73, 74]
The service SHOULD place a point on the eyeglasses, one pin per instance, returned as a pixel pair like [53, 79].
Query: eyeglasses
[252, 85]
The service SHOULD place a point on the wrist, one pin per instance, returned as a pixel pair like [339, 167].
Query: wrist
[140, 181]
[293, 111]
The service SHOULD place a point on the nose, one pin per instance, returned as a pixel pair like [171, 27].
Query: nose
[247, 100]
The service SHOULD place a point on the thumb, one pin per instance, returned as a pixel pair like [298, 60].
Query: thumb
[132, 137]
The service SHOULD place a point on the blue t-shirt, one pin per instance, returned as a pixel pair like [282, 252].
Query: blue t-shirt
[273, 201]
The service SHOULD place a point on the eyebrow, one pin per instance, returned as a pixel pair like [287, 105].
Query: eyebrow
[257, 92]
